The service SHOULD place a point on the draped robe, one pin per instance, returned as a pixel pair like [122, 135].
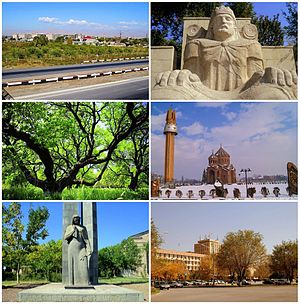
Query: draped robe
[223, 66]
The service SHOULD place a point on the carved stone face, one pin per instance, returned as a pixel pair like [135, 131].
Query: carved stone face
[76, 220]
[224, 27]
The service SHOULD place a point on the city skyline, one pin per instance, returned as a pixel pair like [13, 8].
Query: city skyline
[191, 221]
[116, 220]
[101, 19]
[259, 136]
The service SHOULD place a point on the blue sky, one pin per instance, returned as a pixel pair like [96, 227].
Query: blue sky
[94, 18]
[190, 221]
[259, 136]
[116, 220]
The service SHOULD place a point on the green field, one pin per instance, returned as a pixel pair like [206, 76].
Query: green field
[25, 54]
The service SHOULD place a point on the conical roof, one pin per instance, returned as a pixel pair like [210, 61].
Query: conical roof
[222, 152]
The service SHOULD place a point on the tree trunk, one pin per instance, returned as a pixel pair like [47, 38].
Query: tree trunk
[133, 182]
[18, 272]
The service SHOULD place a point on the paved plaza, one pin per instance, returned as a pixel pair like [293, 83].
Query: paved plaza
[229, 294]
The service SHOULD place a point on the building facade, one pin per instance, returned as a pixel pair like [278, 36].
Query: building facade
[192, 260]
[219, 168]
[207, 246]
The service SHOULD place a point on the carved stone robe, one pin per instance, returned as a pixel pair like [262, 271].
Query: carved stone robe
[223, 66]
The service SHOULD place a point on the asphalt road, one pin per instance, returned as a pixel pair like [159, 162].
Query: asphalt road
[134, 88]
[35, 72]
[229, 294]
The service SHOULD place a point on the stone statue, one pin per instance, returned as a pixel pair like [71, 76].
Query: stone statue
[225, 65]
[78, 251]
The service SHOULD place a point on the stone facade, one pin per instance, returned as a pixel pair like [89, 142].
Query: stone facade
[219, 168]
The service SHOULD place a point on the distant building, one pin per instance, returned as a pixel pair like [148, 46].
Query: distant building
[142, 241]
[219, 168]
[207, 246]
[192, 260]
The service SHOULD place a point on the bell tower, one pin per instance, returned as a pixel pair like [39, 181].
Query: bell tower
[170, 131]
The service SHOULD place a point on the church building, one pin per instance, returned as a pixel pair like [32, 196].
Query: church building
[219, 168]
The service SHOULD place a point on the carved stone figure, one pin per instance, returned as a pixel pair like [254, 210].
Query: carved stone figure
[225, 65]
[292, 172]
[78, 251]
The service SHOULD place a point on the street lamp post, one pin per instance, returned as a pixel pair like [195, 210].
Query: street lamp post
[246, 178]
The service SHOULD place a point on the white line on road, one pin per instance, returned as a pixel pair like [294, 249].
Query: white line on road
[85, 88]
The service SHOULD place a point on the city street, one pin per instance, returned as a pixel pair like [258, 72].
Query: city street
[229, 294]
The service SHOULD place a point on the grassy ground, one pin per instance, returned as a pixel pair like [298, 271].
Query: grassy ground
[14, 283]
[121, 280]
[84, 193]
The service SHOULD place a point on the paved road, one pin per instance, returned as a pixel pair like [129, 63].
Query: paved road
[134, 88]
[35, 72]
[229, 294]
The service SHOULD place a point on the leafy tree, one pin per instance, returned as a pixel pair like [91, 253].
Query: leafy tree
[284, 259]
[291, 30]
[46, 259]
[269, 30]
[242, 9]
[263, 270]
[240, 251]
[114, 260]
[40, 40]
[57, 145]
[15, 245]
[131, 160]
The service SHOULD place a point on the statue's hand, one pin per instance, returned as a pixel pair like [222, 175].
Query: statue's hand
[280, 77]
[176, 77]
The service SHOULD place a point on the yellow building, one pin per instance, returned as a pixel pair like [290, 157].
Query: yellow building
[207, 246]
[192, 260]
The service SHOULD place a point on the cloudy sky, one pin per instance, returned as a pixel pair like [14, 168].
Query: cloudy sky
[259, 136]
[94, 18]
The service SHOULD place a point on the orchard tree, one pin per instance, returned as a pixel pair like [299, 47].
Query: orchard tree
[15, 245]
[61, 144]
[284, 259]
[240, 251]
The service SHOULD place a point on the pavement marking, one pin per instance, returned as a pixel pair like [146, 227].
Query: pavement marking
[85, 88]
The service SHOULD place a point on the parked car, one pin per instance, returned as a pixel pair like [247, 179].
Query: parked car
[175, 284]
[281, 281]
[188, 283]
[161, 285]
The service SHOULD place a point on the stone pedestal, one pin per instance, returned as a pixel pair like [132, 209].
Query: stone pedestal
[56, 292]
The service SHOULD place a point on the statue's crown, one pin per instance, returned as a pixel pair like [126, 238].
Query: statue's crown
[224, 10]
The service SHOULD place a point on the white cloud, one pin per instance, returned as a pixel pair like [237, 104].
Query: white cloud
[129, 22]
[48, 19]
[195, 129]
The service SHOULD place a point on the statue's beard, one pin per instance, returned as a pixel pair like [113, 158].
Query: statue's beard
[224, 33]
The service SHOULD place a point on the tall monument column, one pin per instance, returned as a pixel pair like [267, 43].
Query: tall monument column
[170, 131]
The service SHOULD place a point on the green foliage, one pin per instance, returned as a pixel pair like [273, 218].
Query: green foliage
[15, 246]
[82, 193]
[54, 146]
[46, 260]
[115, 260]
[240, 251]
[40, 40]
[43, 53]
[269, 30]
[242, 9]
[284, 259]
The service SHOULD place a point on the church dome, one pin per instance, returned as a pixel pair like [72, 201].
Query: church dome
[221, 152]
